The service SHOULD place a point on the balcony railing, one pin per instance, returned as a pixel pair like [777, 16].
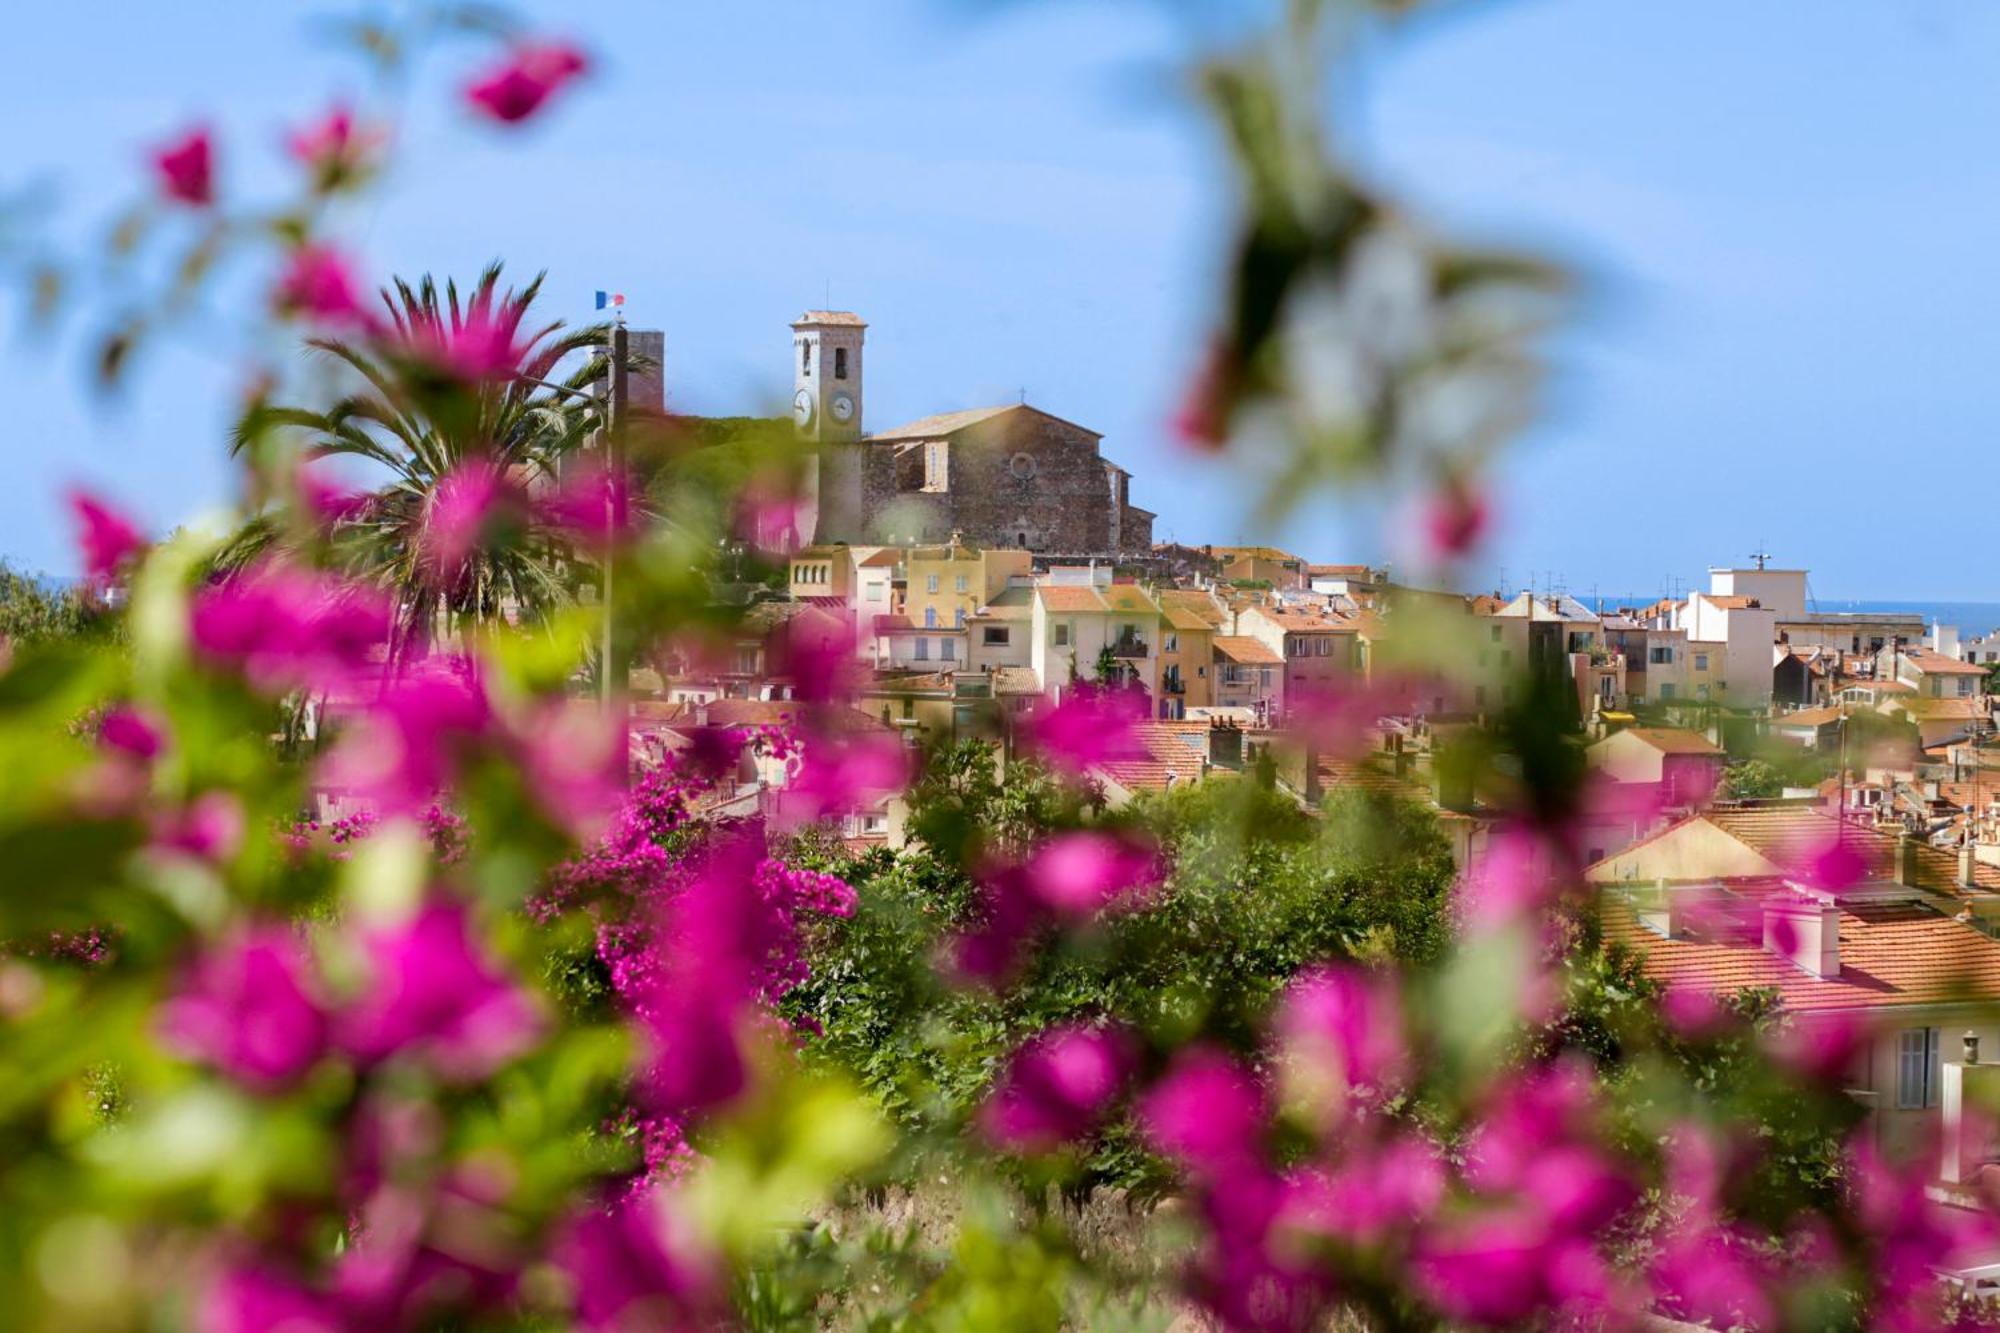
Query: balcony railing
[1130, 647]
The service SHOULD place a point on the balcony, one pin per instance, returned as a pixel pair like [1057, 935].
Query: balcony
[1130, 645]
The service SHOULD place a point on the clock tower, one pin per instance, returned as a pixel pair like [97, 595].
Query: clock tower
[826, 408]
[826, 374]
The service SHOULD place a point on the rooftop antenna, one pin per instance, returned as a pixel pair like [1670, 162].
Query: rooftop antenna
[1760, 555]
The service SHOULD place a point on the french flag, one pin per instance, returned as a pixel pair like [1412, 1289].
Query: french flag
[613, 299]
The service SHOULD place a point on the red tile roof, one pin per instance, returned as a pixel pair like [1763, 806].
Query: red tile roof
[1890, 954]
[1165, 753]
[1933, 663]
[1243, 648]
[1675, 740]
[1066, 600]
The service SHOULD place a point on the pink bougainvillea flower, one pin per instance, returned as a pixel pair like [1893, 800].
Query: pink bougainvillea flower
[130, 732]
[1692, 1010]
[187, 170]
[1057, 1088]
[249, 1007]
[635, 1265]
[1834, 865]
[107, 539]
[1823, 1047]
[592, 506]
[1455, 518]
[1343, 1026]
[815, 651]
[575, 758]
[326, 500]
[1207, 1113]
[1713, 1275]
[433, 992]
[1512, 879]
[318, 284]
[334, 148]
[465, 508]
[1089, 726]
[255, 1299]
[773, 517]
[848, 771]
[411, 740]
[209, 828]
[285, 627]
[1077, 875]
[1202, 418]
[1379, 1189]
[518, 89]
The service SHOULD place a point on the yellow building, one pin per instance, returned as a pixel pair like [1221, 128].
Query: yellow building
[946, 584]
[822, 571]
[1191, 618]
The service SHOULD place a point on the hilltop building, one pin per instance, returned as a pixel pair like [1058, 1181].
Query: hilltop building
[1012, 476]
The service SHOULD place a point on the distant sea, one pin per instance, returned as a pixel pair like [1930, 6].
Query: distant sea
[1969, 617]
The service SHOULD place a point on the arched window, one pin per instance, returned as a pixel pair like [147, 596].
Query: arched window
[805, 356]
[840, 363]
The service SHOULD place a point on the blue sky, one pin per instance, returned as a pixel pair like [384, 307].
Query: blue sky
[1787, 228]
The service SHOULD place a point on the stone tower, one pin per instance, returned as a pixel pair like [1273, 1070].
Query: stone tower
[826, 408]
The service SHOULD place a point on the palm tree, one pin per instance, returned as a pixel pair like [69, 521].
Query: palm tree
[452, 387]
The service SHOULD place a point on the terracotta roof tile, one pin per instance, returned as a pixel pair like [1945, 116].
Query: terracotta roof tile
[1242, 648]
[1067, 600]
[1675, 740]
[1891, 954]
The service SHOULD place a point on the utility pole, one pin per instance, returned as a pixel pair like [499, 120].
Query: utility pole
[612, 672]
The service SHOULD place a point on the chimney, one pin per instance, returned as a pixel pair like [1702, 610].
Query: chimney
[1971, 1044]
[1968, 866]
[1805, 931]
[1906, 861]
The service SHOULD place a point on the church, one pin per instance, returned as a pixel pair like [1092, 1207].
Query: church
[1012, 476]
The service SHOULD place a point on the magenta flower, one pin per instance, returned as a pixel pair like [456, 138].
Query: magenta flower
[1512, 879]
[574, 756]
[285, 627]
[1379, 1190]
[327, 501]
[432, 991]
[334, 149]
[633, 1265]
[516, 90]
[815, 651]
[1713, 1275]
[1345, 1026]
[1821, 1047]
[107, 539]
[1079, 874]
[250, 1008]
[1057, 1088]
[1835, 865]
[1207, 1113]
[773, 517]
[464, 509]
[210, 828]
[1455, 518]
[839, 772]
[1692, 1010]
[187, 170]
[592, 507]
[253, 1299]
[1088, 727]
[318, 284]
[129, 732]
[1202, 418]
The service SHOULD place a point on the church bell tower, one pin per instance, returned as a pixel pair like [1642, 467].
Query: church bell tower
[826, 408]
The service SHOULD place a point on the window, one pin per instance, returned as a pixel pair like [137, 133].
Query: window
[1701, 661]
[1062, 636]
[840, 363]
[1172, 644]
[923, 649]
[805, 357]
[1495, 632]
[1666, 689]
[958, 584]
[958, 618]
[1324, 647]
[909, 709]
[930, 617]
[1201, 673]
[994, 636]
[1917, 1060]
[931, 583]
[948, 649]
[1660, 656]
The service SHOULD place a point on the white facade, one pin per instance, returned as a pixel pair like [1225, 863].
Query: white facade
[1779, 590]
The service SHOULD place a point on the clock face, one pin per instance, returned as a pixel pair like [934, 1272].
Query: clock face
[802, 408]
[842, 407]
